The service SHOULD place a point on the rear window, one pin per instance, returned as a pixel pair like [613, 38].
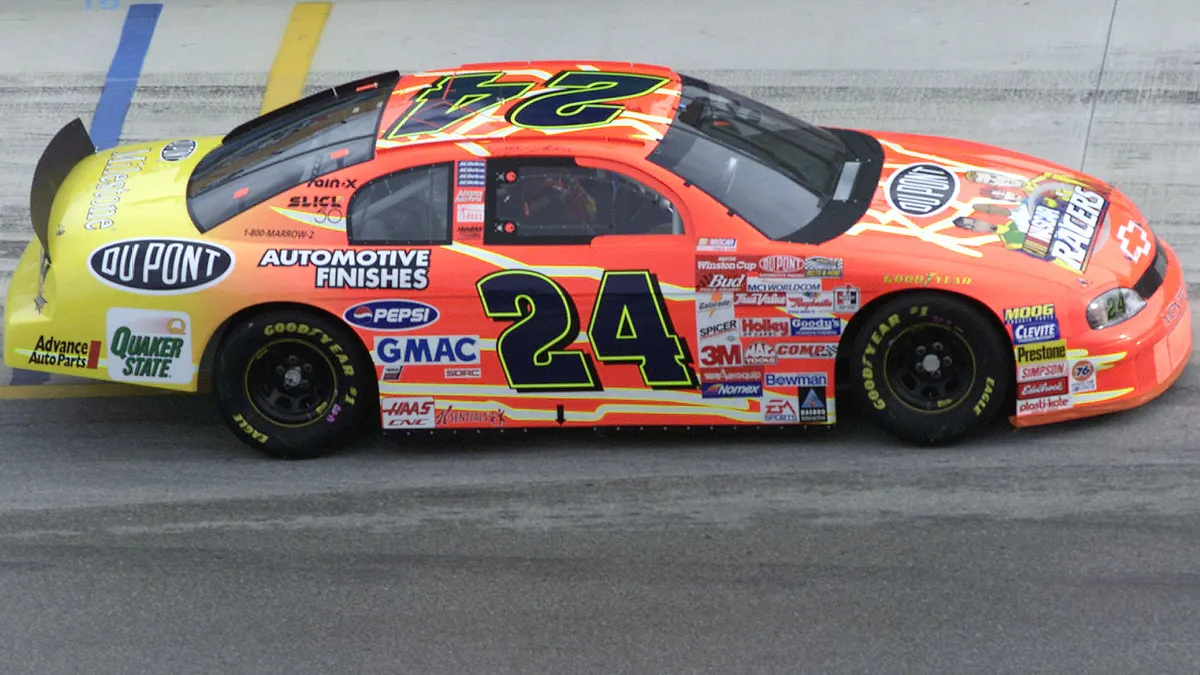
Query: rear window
[325, 132]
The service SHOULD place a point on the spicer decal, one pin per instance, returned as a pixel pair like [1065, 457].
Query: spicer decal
[419, 350]
[391, 315]
[161, 266]
[149, 346]
[393, 269]
[921, 189]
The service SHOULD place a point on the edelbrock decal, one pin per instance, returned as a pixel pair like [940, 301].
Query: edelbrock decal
[921, 189]
[161, 265]
[391, 315]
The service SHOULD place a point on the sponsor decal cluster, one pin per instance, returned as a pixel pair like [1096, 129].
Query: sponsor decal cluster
[391, 315]
[1032, 323]
[1042, 377]
[149, 346]
[391, 269]
[50, 351]
[106, 195]
[470, 173]
[161, 265]
[1135, 241]
[922, 190]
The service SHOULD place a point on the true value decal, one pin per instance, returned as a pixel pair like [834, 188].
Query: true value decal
[161, 265]
[396, 269]
[149, 346]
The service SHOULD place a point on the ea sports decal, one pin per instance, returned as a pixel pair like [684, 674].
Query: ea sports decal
[178, 150]
[161, 265]
[921, 189]
[391, 315]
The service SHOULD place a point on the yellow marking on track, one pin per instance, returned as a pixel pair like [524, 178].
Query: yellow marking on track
[99, 390]
[289, 72]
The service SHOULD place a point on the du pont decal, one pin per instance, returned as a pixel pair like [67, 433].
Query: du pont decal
[921, 189]
[392, 269]
[150, 346]
[161, 265]
[391, 315]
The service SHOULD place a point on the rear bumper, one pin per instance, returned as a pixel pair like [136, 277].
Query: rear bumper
[1142, 359]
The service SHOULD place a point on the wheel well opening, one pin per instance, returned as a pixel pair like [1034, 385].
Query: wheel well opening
[859, 321]
[214, 342]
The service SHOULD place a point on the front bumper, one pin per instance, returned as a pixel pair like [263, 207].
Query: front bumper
[1122, 367]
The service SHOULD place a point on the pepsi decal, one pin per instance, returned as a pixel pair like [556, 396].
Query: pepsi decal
[391, 315]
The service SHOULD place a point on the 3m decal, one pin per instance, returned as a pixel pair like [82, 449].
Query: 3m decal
[453, 98]
[49, 351]
[391, 315]
[393, 269]
[720, 355]
[921, 189]
[146, 345]
[629, 324]
[161, 265]
[426, 349]
[582, 99]
[407, 413]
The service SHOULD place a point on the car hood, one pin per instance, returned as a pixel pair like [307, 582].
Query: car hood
[951, 201]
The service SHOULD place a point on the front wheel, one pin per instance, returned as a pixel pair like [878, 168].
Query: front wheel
[931, 368]
[291, 383]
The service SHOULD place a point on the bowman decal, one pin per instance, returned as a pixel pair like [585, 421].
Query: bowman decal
[161, 266]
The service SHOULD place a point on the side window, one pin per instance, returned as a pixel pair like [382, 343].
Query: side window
[558, 202]
[406, 207]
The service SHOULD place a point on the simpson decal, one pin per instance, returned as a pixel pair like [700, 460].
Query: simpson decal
[921, 189]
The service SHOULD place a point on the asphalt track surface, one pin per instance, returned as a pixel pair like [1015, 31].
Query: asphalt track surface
[137, 537]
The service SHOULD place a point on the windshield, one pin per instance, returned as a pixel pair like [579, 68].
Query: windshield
[324, 133]
[771, 169]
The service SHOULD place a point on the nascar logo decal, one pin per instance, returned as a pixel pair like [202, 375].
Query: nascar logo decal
[391, 315]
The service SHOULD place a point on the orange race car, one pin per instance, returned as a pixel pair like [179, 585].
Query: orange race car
[552, 244]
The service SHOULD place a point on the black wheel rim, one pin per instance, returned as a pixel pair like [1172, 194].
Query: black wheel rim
[930, 367]
[290, 383]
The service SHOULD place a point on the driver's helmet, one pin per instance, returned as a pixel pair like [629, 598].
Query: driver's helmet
[555, 195]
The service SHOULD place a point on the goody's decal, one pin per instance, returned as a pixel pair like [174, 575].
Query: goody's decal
[391, 315]
[149, 346]
[816, 325]
[178, 150]
[425, 349]
[161, 265]
[921, 189]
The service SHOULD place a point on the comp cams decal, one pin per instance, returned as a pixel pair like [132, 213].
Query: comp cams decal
[391, 315]
[149, 346]
[392, 269]
[161, 265]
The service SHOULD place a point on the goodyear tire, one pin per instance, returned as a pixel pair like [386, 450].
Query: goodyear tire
[931, 368]
[293, 385]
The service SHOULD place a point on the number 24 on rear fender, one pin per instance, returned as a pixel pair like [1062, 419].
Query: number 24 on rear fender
[629, 324]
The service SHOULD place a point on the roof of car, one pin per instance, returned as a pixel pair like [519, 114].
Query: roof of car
[481, 103]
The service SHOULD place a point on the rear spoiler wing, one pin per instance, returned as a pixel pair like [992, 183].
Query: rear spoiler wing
[71, 145]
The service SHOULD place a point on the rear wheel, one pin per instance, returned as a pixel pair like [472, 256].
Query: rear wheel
[930, 367]
[291, 384]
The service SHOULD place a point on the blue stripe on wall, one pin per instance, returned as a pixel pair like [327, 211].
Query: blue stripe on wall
[123, 74]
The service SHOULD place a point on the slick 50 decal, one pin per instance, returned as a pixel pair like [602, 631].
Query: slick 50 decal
[161, 265]
[393, 269]
[149, 346]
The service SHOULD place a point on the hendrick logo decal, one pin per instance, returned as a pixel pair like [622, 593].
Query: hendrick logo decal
[921, 189]
[391, 315]
[161, 265]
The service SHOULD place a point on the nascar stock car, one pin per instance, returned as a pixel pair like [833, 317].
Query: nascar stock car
[545, 244]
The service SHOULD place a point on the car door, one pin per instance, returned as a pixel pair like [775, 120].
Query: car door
[592, 295]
